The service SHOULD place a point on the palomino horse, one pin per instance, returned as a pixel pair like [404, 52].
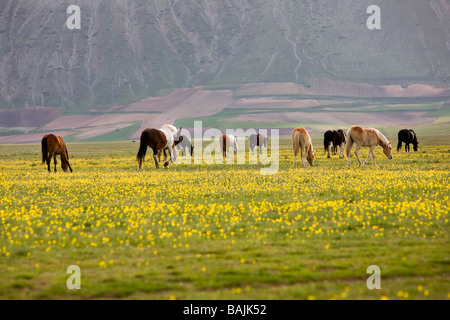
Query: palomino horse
[366, 138]
[226, 141]
[162, 139]
[51, 147]
[257, 140]
[332, 139]
[407, 136]
[301, 141]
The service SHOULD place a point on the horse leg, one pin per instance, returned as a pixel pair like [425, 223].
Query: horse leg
[54, 160]
[330, 145]
[159, 155]
[358, 147]
[295, 157]
[341, 150]
[303, 153]
[406, 147]
[48, 160]
[155, 157]
[373, 157]
[171, 153]
[368, 156]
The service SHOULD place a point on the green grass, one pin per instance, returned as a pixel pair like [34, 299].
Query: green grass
[224, 231]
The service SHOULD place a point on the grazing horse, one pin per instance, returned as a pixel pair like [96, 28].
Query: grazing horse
[257, 140]
[164, 139]
[51, 147]
[182, 145]
[301, 141]
[226, 141]
[186, 145]
[366, 138]
[407, 136]
[332, 139]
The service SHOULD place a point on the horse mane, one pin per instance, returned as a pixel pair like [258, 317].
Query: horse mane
[171, 128]
[383, 140]
[309, 146]
[64, 155]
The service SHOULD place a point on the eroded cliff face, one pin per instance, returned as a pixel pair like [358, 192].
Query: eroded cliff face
[129, 50]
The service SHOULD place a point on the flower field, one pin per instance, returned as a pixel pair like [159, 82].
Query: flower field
[224, 231]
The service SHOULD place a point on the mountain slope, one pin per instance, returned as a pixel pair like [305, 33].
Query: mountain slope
[128, 50]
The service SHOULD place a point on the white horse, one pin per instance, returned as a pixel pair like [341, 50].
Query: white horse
[159, 140]
[173, 136]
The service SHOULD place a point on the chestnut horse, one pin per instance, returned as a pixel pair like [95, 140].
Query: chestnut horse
[257, 140]
[301, 141]
[366, 138]
[226, 141]
[164, 139]
[51, 147]
[332, 139]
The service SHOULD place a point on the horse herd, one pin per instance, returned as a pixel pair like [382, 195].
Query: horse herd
[168, 139]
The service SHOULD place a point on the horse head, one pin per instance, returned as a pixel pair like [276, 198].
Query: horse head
[310, 154]
[387, 150]
[178, 136]
[416, 146]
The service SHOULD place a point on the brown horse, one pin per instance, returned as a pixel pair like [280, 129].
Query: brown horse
[51, 147]
[366, 138]
[159, 140]
[301, 141]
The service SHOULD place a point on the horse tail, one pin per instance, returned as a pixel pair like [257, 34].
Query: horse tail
[143, 147]
[296, 141]
[349, 144]
[325, 143]
[44, 148]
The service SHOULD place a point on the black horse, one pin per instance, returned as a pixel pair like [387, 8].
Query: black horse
[332, 139]
[407, 136]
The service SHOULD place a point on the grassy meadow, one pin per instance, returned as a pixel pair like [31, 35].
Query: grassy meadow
[224, 231]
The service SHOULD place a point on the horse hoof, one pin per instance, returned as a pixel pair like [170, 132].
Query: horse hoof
[166, 164]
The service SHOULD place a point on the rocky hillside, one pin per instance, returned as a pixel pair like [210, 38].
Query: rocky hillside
[127, 50]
